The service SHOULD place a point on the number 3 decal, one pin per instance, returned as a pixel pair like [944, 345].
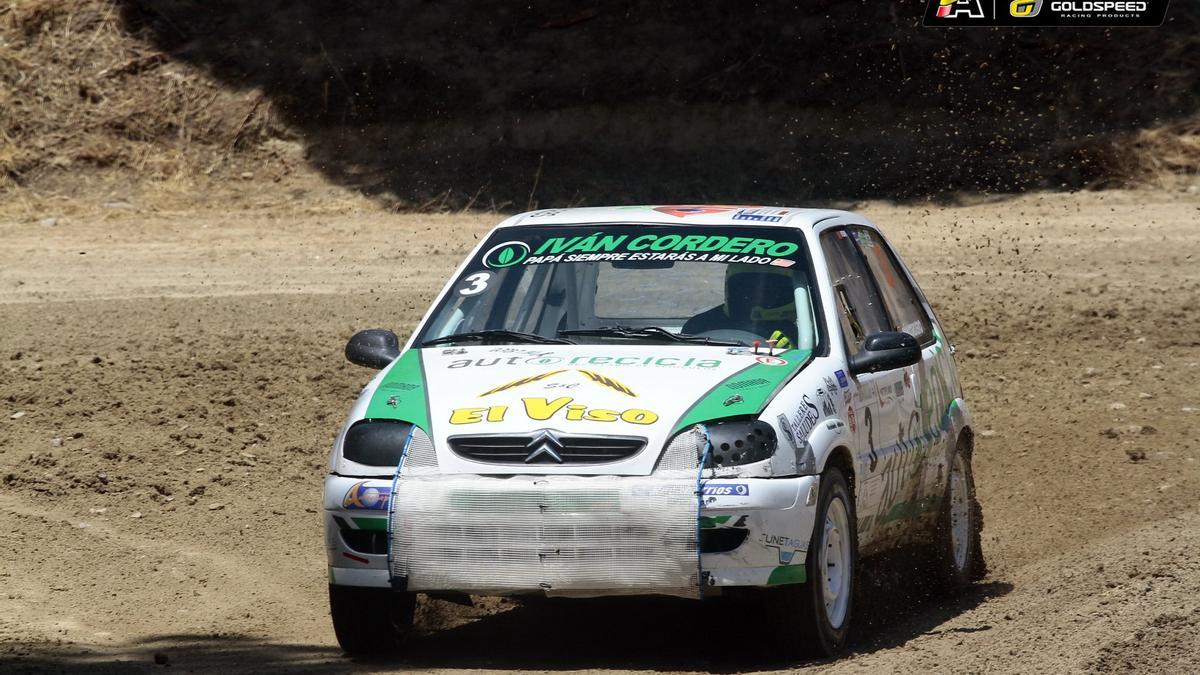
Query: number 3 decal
[478, 281]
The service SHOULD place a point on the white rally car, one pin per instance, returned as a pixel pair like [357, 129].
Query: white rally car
[678, 400]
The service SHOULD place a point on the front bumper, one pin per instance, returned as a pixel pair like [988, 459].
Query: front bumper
[752, 532]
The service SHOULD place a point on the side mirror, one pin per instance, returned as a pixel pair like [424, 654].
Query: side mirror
[885, 351]
[373, 348]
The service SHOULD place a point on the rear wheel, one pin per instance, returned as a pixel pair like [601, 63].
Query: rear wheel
[957, 556]
[822, 606]
[370, 620]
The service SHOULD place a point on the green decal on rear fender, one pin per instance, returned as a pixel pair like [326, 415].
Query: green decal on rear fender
[747, 391]
[402, 393]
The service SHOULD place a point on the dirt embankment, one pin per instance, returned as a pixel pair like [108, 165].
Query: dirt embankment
[170, 382]
[434, 106]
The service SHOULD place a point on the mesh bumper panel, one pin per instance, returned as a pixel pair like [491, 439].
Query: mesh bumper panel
[559, 534]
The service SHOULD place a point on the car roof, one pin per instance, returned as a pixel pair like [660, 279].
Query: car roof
[682, 214]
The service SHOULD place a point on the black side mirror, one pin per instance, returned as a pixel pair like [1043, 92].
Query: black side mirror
[885, 351]
[373, 348]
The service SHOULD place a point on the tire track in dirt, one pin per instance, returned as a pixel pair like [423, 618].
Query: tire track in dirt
[208, 588]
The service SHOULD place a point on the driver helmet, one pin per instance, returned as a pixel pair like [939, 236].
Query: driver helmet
[759, 293]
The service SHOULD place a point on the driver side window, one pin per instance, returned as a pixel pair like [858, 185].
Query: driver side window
[859, 306]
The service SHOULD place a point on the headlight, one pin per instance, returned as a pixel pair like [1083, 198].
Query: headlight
[376, 443]
[740, 442]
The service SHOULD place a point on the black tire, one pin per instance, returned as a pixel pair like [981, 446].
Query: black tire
[952, 572]
[370, 620]
[801, 615]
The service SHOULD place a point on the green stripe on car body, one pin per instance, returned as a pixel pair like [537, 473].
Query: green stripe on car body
[375, 524]
[788, 574]
[746, 392]
[402, 394]
[713, 522]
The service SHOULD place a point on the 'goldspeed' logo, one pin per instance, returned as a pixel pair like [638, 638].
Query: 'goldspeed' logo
[1110, 7]
[1046, 13]
[1025, 8]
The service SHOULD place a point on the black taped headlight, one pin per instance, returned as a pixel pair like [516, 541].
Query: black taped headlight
[376, 442]
[740, 442]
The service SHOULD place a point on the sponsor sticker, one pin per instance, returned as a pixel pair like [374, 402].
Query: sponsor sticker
[606, 381]
[685, 211]
[725, 490]
[787, 547]
[771, 360]
[760, 215]
[750, 239]
[590, 375]
[562, 408]
[1025, 8]
[506, 254]
[752, 383]
[651, 246]
[803, 421]
[367, 497]
[517, 383]
[588, 360]
[841, 378]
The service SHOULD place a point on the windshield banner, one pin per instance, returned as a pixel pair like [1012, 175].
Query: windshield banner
[640, 245]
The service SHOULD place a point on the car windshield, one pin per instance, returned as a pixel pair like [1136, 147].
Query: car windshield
[630, 283]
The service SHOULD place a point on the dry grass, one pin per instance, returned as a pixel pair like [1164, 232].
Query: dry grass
[1170, 150]
[79, 93]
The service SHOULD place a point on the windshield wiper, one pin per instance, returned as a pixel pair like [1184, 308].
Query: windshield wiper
[499, 334]
[648, 332]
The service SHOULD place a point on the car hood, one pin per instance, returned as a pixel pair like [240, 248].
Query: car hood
[639, 391]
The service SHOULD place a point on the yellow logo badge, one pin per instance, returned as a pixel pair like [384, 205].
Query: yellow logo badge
[543, 409]
[1025, 9]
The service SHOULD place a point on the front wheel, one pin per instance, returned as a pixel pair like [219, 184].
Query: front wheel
[822, 606]
[370, 620]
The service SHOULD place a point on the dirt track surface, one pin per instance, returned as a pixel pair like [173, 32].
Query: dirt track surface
[170, 383]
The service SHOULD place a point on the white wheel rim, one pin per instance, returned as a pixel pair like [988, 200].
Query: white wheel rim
[834, 561]
[960, 512]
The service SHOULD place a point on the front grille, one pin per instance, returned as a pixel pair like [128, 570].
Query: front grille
[546, 447]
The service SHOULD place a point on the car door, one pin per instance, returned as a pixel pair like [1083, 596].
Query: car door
[922, 401]
[873, 409]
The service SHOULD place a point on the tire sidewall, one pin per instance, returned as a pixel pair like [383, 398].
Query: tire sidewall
[830, 638]
[952, 577]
